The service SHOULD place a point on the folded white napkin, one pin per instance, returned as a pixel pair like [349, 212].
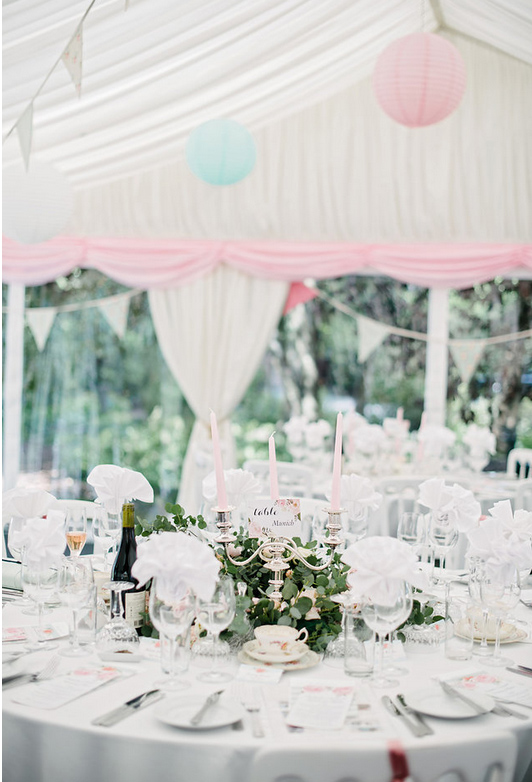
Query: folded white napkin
[501, 550]
[115, 485]
[316, 432]
[436, 439]
[369, 439]
[462, 509]
[295, 429]
[396, 428]
[26, 503]
[43, 540]
[479, 439]
[517, 525]
[240, 486]
[357, 492]
[379, 565]
[180, 563]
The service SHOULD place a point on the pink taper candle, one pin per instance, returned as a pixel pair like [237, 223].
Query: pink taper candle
[220, 481]
[274, 485]
[337, 466]
[400, 413]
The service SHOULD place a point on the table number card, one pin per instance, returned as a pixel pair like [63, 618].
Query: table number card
[275, 517]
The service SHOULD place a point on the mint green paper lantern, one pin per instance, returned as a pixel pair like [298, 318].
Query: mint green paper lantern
[221, 152]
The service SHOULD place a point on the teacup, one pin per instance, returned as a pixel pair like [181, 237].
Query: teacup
[280, 638]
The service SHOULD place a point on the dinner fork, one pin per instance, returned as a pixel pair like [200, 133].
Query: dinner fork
[16, 679]
[250, 701]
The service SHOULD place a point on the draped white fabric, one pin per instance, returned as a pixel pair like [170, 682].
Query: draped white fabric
[331, 165]
[213, 334]
[343, 170]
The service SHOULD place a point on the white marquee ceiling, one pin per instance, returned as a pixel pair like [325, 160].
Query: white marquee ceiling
[295, 72]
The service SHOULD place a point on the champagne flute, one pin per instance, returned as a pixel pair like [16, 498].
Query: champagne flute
[172, 616]
[39, 581]
[76, 531]
[443, 537]
[76, 582]
[384, 617]
[500, 589]
[216, 615]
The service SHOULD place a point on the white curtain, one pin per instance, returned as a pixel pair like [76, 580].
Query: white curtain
[213, 334]
[13, 384]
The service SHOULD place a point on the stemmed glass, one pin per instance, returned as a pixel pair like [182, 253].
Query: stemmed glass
[384, 618]
[15, 527]
[476, 574]
[76, 583]
[76, 532]
[500, 590]
[39, 581]
[117, 635]
[216, 615]
[443, 537]
[112, 524]
[411, 529]
[356, 522]
[172, 616]
[101, 534]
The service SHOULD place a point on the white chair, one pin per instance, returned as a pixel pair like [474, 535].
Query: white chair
[399, 495]
[481, 758]
[523, 495]
[519, 463]
[484, 758]
[317, 764]
[295, 480]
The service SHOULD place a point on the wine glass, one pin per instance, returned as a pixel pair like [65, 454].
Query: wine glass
[76, 585]
[111, 523]
[16, 525]
[500, 589]
[117, 635]
[411, 529]
[384, 618]
[101, 534]
[443, 536]
[172, 616]
[39, 581]
[356, 524]
[76, 531]
[216, 615]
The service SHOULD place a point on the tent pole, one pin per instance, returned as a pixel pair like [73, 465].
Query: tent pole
[14, 364]
[437, 356]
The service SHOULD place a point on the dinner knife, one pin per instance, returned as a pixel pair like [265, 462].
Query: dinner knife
[128, 708]
[521, 671]
[417, 729]
[211, 700]
[477, 708]
[410, 712]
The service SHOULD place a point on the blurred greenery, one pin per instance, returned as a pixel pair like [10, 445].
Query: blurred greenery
[91, 398]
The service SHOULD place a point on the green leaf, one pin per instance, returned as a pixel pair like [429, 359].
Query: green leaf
[303, 605]
[295, 612]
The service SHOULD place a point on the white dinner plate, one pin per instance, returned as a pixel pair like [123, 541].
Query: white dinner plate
[253, 649]
[179, 712]
[434, 702]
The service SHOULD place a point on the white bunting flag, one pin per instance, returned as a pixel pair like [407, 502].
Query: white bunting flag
[40, 320]
[115, 313]
[466, 354]
[25, 133]
[72, 57]
[370, 336]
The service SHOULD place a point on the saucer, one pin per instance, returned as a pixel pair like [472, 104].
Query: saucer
[510, 634]
[254, 649]
[309, 660]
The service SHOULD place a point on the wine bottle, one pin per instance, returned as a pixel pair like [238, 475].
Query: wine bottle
[134, 600]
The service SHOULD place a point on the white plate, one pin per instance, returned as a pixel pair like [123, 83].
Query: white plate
[253, 649]
[179, 712]
[120, 657]
[434, 702]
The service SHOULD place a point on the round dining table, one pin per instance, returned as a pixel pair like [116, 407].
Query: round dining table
[62, 744]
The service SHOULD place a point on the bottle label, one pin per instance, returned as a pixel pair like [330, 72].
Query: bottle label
[135, 603]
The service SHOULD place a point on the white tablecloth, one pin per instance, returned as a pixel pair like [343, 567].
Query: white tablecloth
[62, 746]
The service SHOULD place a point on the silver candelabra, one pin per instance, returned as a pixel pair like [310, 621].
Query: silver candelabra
[277, 551]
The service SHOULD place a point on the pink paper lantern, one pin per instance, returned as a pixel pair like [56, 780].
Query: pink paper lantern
[419, 79]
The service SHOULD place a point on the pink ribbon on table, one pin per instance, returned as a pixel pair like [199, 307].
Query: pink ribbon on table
[398, 761]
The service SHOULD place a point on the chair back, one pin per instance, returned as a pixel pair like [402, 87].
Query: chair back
[519, 463]
[316, 764]
[478, 758]
[295, 480]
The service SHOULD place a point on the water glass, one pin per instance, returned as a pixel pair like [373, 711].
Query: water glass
[384, 617]
[359, 645]
[39, 582]
[500, 589]
[459, 629]
[172, 616]
[75, 586]
[411, 529]
[216, 615]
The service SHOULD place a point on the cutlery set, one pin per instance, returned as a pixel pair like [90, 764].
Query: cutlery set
[18, 679]
[413, 721]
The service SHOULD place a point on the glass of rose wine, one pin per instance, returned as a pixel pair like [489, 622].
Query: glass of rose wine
[76, 532]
